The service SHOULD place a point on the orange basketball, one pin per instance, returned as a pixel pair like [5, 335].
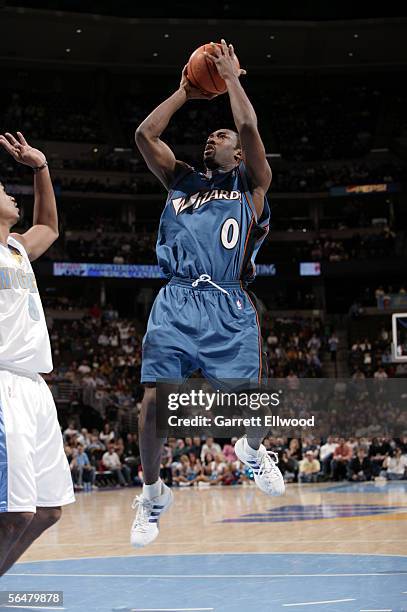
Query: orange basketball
[203, 73]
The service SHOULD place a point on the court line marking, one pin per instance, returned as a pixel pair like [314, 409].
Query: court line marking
[375, 610]
[170, 609]
[194, 576]
[314, 603]
[183, 542]
[217, 554]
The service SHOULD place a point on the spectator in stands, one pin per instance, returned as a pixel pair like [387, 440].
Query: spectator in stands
[81, 469]
[95, 442]
[326, 454]
[196, 446]
[107, 435]
[179, 450]
[84, 367]
[340, 461]
[210, 446]
[185, 473]
[295, 450]
[84, 437]
[378, 451]
[112, 462]
[380, 374]
[395, 466]
[166, 463]
[71, 430]
[229, 453]
[360, 466]
[288, 467]
[309, 468]
[333, 343]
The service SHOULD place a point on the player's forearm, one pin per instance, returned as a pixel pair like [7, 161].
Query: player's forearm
[242, 109]
[45, 207]
[156, 122]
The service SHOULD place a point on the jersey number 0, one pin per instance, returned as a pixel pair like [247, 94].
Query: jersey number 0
[229, 234]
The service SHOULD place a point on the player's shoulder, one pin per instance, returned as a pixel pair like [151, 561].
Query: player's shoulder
[16, 241]
[182, 171]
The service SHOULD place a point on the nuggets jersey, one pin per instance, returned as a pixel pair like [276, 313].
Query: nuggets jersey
[209, 226]
[24, 340]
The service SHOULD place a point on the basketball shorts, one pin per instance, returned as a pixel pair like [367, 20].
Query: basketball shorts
[34, 470]
[204, 328]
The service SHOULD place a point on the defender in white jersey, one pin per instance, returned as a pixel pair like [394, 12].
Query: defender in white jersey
[35, 479]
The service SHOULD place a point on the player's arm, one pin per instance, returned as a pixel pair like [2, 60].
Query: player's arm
[245, 118]
[44, 231]
[158, 156]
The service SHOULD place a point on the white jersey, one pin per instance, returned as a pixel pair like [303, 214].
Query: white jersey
[24, 339]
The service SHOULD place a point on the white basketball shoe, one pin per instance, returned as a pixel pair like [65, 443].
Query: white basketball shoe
[144, 529]
[267, 476]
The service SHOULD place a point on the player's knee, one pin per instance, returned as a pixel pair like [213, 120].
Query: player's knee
[150, 396]
[15, 522]
[46, 517]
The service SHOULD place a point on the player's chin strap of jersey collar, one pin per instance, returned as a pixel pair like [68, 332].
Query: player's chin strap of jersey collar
[205, 278]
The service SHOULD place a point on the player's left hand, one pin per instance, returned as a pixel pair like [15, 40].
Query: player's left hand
[224, 59]
[21, 150]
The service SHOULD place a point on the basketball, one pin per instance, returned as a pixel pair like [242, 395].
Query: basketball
[203, 73]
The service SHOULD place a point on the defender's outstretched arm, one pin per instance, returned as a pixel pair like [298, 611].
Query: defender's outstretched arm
[44, 231]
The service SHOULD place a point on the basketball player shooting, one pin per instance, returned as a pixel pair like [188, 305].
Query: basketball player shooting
[210, 231]
[35, 479]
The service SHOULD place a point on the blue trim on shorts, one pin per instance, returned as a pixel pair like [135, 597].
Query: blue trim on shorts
[3, 465]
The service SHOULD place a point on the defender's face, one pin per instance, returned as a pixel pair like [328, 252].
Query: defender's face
[220, 149]
[9, 212]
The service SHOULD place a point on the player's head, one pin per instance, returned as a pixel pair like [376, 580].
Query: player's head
[9, 213]
[222, 149]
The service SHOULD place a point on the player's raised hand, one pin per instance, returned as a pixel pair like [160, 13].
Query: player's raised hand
[191, 91]
[225, 61]
[21, 150]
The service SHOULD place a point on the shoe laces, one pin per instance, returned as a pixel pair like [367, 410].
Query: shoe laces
[268, 464]
[144, 507]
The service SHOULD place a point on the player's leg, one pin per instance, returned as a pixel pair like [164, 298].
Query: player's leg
[151, 446]
[233, 351]
[12, 527]
[17, 450]
[169, 351]
[156, 497]
[35, 525]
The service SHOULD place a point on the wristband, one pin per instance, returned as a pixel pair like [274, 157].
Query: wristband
[39, 168]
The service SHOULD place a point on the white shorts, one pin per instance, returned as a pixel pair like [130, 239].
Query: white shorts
[34, 470]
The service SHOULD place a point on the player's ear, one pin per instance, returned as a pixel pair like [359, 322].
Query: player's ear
[238, 155]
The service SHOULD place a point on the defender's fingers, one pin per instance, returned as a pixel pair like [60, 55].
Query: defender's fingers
[11, 138]
[22, 139]
[6, 145]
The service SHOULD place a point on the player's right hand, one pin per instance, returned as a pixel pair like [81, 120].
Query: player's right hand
[192, 92]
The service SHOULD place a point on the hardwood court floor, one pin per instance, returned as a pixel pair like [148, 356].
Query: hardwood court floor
[328, 518]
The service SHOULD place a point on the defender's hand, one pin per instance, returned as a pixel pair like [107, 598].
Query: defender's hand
[21, 150]
[192, 92]
[224, 59]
